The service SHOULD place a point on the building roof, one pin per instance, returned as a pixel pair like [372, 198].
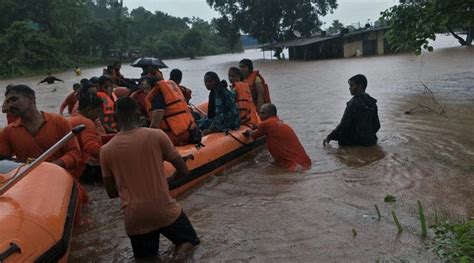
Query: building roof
[312, 40]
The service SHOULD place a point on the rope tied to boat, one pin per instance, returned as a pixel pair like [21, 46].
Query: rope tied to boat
[227, 132]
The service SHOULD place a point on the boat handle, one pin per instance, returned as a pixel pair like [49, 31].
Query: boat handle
[12, 249]
[188, 157]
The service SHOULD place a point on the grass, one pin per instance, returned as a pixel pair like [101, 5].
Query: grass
[395, 219]
[378, 211]
[454, 242]
[422, 219]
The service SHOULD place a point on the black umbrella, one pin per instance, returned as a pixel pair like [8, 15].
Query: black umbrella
[148, 61]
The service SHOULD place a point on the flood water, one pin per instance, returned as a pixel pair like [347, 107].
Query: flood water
[254, 212]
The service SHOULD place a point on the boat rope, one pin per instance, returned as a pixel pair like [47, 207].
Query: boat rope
[227, 132]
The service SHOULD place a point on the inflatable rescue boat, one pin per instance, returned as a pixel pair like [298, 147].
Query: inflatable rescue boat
[37, 214]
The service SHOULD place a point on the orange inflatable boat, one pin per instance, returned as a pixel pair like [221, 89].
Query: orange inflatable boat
[217, 152]
[36, 215]
[38, 204]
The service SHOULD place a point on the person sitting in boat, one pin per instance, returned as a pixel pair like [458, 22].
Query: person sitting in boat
[168, 110]
[222, 113]
[257, 84]
[176, 75]
[152, 71]
[133, 169]
[106, 94]
[144, 86]
[10, 116]
[90, 107]
[360, 121]
[245, 105]
[35, 132]
[70, 100]
[282, 142]
[50, 79]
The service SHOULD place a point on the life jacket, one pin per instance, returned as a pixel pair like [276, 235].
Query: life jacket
[178, 118]
[108, 108]
[245, 105]
[251, 81]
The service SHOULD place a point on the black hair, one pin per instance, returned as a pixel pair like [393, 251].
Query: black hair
[76, 86]
[103, 79]
[237, 72]
[94, 80]
[360, 80]
[83, 81]
[21, 89]
[126, 106]
[176, 75]
[247, 62]
[89, 100]
[213, 75]
[272, 109]
[150, 80]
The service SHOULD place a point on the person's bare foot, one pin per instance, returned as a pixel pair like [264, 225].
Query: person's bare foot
[182, 251]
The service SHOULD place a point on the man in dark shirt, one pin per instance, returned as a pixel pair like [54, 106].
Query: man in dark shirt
[360, 121]
[50, 79]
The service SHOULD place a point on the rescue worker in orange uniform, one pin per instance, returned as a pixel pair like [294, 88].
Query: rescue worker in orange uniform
[168, 110]
[247, 110]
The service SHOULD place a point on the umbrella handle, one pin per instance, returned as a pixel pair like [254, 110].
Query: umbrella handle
[41, 158]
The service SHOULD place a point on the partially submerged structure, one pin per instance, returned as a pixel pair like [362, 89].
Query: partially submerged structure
[366, 42]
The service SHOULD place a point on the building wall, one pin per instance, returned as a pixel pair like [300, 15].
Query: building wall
[380, 43]
[353, 49]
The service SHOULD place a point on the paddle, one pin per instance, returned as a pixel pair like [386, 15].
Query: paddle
[41, 158]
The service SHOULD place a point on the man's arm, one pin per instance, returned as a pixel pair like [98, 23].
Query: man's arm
[181, 169]
[156, 118]
[43, 81]
[5, 150]
[56, 79]
[344, 125]
[108, 178]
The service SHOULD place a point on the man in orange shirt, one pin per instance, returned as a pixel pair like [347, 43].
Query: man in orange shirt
[70, 100]
[132, 168]
[35, 131]
[90, 107]
[282, 142]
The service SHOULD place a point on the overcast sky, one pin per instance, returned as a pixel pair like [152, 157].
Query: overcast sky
[348, 12]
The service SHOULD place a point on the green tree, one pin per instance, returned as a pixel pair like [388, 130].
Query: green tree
[191, 42]
[228, 31]
[335, 27]
[274, 20]
[414, 22]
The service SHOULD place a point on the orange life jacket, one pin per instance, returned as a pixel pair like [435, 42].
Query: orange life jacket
[247, 109]
[251, 81]
[177, 118]
[108, 108]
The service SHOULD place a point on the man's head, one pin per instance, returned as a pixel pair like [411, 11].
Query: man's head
[117, 65]
[90, 106]
[76, 87]
[176, 75]
[127, 112]
[357, 84]
[19, 99]
[268, 110]
[147, 83]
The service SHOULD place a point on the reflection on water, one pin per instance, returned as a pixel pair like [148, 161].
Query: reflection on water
[256, 212]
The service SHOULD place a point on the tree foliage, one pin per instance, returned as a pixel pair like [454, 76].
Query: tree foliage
[414, 22]
[47, 34]
[274, 20]
[335, 27]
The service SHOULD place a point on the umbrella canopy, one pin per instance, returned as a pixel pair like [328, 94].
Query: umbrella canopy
[148, 61]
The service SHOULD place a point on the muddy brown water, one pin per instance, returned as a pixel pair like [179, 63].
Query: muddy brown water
[254, 212]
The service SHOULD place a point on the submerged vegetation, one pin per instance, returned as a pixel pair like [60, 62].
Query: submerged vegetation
[37, 36]
[455, 242]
